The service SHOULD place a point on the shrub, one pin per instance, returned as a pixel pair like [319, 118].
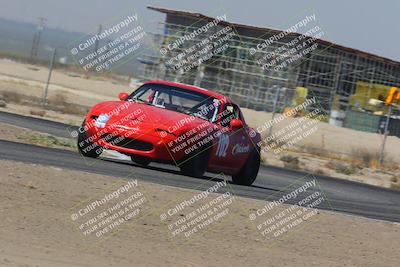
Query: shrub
[289, 159]
[345, 169]
[320, 172]
[40, 113]
[11, 97]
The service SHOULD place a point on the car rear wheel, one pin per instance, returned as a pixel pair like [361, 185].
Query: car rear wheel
[196, 163]
[142, 161]
[87, 148]
[248, 173]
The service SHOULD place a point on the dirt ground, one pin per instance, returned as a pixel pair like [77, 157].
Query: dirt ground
[36, 229]
[35, 75]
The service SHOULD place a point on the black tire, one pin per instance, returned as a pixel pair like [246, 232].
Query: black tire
[87, 148]
[142, 161]
[196, 163]
[248, 173]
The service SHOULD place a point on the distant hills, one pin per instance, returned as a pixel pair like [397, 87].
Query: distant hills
[16, 39]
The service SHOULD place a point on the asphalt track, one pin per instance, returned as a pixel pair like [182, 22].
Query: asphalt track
[272, 183]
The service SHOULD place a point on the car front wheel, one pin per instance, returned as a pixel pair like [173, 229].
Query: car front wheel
[195, 164]
[87, 148]
[248, 173]
[142, 161]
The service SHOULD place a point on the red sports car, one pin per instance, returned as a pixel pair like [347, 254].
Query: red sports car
[196, 129]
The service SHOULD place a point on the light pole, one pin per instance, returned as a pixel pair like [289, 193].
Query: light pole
[277, 93]
[386, 132]
[393, 95]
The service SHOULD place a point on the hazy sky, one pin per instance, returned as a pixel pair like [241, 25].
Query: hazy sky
[368, 25]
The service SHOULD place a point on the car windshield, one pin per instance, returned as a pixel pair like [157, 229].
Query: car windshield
[177, 99]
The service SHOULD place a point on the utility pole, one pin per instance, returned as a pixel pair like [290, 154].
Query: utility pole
[36, 37]
[46, 90]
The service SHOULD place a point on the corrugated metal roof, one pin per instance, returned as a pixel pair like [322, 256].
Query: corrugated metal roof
[274, 31]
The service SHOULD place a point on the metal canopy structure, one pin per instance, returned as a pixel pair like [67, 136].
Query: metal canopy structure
[332, 73]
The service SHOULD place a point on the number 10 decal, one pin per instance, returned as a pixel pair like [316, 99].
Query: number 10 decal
[222, 145]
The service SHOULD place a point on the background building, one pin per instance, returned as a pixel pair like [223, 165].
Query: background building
[341, 78]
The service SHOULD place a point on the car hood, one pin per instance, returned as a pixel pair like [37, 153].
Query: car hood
[122, 113]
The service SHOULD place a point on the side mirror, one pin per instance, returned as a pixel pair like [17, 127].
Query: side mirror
[236, 124]
[123, 96]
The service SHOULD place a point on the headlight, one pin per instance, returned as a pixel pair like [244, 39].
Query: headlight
[101, 121]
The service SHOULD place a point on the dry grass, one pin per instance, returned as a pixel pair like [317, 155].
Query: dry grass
[60, 102]
[340, 167]
[51, 141]
[290, 162]
[57, 102]
[395, 186]
[318, 151]
[395, 182]
[71, 109]
[13, 97]
[58, 99]
[365, 157]
[361, 158]
[370, 159]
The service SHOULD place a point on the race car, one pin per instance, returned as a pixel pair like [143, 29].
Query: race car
[196, 129]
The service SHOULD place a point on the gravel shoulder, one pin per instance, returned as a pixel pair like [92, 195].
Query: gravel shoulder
[36, 229]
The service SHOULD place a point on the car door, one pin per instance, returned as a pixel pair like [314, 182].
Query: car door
[232, 146]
